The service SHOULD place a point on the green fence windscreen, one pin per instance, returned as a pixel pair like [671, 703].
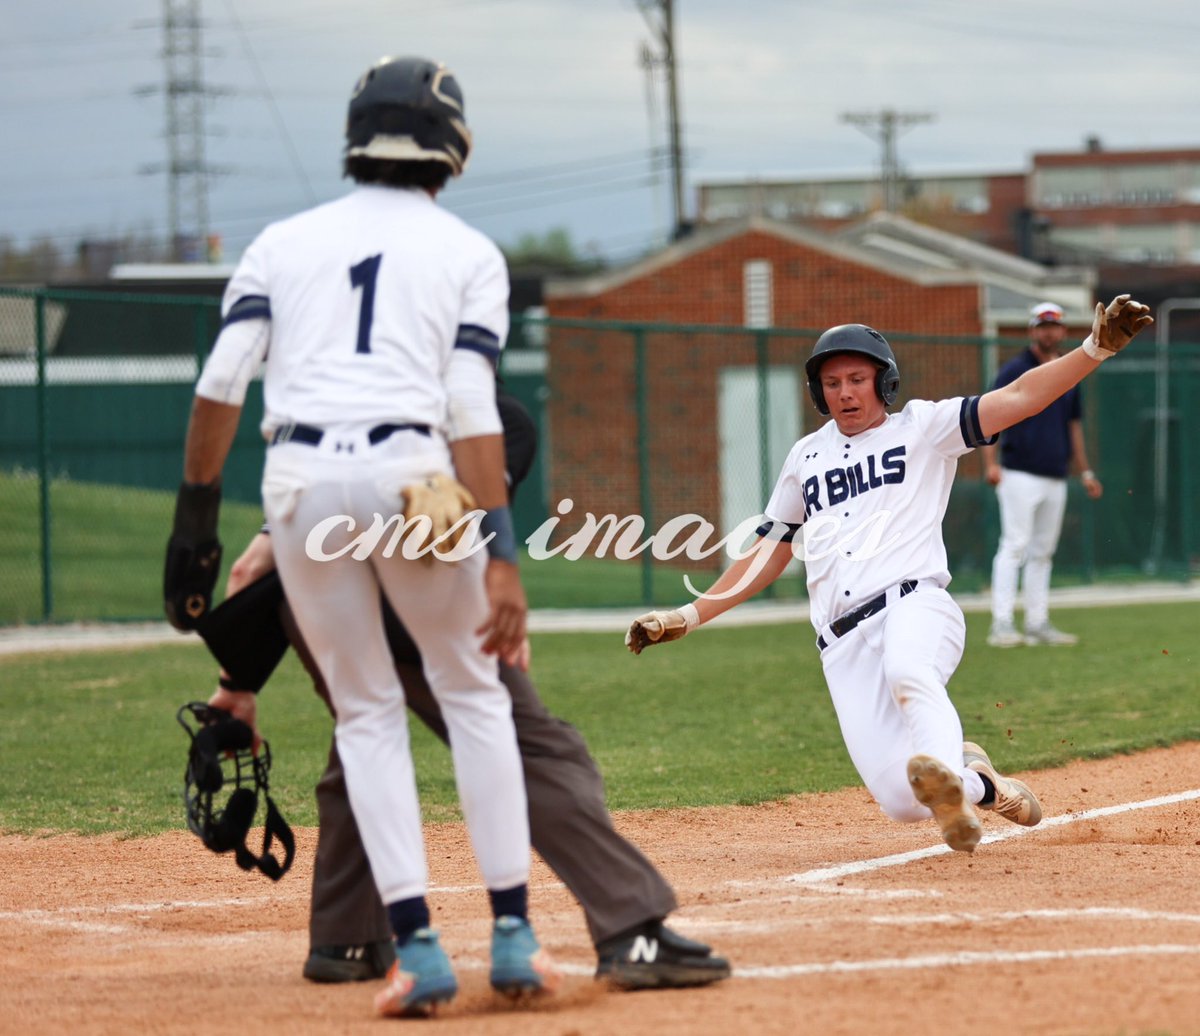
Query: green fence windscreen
[637, 420]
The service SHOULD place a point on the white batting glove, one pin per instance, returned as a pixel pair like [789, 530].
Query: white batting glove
[1115, 326]
[661, 627]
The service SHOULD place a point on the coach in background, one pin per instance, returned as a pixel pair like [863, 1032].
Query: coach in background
[1031, 487]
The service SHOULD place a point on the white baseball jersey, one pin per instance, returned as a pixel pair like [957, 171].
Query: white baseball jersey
[871, 505]
[369, 295]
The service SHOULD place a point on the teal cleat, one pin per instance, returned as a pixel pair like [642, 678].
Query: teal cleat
[419, 980]
[519, 964]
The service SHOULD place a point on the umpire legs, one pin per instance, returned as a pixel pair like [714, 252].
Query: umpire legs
[570, 828]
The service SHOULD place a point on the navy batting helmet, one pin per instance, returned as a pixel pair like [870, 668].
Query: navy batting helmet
[408, 110]
[864, 341]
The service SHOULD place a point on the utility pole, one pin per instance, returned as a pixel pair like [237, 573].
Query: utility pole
[660, 16]
[649, 63]
[185, 94]
[884, 126]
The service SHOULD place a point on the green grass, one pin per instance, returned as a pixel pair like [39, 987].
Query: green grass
[89, 742]
[107, 547]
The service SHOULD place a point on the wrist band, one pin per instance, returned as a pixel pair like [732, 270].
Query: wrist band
[1094, 351]
[690, 615]
[497, 524]
[1087, 474]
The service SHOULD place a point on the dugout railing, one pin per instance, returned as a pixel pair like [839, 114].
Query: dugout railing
[640, 422]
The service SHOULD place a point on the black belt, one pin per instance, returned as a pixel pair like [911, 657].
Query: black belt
[843, 624]
[310, 436]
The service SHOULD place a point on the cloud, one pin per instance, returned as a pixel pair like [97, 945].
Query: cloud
[557, 83]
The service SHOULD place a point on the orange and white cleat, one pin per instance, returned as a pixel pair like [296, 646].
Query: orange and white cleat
[419, 980]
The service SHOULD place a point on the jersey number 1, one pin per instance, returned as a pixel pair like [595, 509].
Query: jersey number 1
[363, 275]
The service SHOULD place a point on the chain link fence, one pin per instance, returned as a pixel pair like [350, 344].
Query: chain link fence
[641, 422]
[659, 421]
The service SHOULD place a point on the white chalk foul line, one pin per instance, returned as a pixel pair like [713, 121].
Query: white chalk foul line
[70, 916]
[1081, 914]
[951, 960]
[845, 870]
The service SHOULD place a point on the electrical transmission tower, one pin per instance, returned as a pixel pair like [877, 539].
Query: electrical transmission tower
[186, 95]
[884, 126]
[660, 16]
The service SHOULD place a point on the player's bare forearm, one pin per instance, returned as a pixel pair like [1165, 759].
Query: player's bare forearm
[254, 562]
[743, 579]
[479, 465]
[209, 437]
[504, 630]
[1091, 485]
[1033, 391]
[1078, 446]
[1113, 327]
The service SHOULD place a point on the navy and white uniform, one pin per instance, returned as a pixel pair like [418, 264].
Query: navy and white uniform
[380, 317]
[1035, 455]
[869, 508]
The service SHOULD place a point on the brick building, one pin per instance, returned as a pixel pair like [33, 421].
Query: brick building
[669, 420]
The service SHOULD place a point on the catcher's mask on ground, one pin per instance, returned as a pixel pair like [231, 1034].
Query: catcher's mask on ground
[863, 341]
[220, 759]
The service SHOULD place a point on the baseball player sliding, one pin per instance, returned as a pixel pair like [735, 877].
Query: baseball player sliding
[867, 493]
[380, 318]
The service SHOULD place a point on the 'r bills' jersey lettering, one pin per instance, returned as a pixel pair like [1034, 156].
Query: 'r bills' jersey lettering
[842, 484]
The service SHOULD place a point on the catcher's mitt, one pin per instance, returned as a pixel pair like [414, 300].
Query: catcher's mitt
[219, 758]
[444, 501]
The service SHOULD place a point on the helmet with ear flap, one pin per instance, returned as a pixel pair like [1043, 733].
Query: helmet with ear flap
[220, 757]
[408, 109]
[861, 340]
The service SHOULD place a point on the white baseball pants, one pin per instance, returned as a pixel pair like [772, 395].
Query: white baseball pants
[1031, 517]
[887, 678]
[337, 607]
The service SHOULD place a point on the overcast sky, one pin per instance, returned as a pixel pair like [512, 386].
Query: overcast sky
[558, 101]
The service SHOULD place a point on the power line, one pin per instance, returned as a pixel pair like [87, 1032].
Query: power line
[540, 199]
[553, 169]
[563, 181]
[280, 125]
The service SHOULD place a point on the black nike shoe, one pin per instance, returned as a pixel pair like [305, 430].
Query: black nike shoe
[652, 956]
[349, 963]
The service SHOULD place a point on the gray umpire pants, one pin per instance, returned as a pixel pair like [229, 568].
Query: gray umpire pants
[569, 824]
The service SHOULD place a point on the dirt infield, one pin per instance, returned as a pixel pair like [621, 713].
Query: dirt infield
[837, 921]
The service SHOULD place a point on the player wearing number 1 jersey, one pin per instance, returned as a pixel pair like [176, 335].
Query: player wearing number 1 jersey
[380, 318]
[864, 497]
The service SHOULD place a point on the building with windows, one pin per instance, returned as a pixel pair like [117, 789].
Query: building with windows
[1093, 206]
[981, 206]
[1124, 206]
